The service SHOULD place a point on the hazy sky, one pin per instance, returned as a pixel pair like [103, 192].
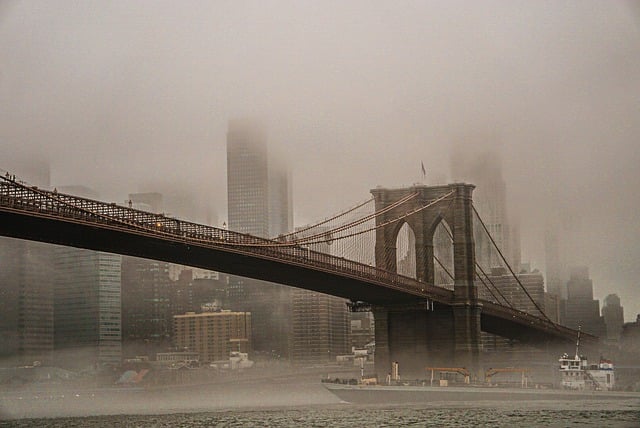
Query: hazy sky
[129, 96]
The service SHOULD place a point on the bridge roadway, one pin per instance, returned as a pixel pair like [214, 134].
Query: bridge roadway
[39, 215]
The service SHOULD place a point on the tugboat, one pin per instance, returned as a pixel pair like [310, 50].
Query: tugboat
[577, 374]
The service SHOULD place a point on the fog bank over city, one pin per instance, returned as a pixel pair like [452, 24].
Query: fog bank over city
[125, 97]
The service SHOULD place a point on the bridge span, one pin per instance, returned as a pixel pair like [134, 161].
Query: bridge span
[30, 213]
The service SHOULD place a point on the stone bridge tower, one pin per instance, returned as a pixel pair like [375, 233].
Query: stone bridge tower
[421, 335]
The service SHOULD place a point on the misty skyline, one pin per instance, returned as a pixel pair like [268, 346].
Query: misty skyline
[127, 97]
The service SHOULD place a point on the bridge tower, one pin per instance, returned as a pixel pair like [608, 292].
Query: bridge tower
[428, 334]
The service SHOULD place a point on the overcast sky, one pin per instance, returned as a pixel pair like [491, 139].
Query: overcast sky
[135, 96]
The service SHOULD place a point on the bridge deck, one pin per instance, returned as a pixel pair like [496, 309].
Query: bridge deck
[41, 215]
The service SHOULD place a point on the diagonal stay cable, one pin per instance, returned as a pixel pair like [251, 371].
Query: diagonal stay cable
[493, 284]
[354, 223]
[510, 269]
[394, 220]
[350, 210]
[487, 287]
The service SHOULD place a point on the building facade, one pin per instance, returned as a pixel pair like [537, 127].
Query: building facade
[533, 283]
[26, 282]
[146, 311]
[87, 310]
[213, 335]
[259, 203]
[613, 315]
[581, 309]
[26, 302]
[484, 170]
[320, 327]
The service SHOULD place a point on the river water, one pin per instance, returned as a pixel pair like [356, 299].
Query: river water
[292, 403]
[335, 416]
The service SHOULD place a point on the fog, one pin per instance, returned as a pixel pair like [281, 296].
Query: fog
[125, 97]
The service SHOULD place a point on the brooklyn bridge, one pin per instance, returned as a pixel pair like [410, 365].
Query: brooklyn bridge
[353, 255]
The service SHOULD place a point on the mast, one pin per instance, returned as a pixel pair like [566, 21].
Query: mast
[578, 343]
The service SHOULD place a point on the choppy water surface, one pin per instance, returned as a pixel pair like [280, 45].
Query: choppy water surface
[542, 414]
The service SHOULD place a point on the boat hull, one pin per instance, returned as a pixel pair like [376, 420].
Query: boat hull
[380, 394]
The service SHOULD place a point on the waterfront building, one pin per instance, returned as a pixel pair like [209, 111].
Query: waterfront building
[213, 335]
[362, 329]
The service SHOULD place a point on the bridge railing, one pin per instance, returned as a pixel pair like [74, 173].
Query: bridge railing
[22, 197]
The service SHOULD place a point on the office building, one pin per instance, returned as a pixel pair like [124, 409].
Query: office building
[613, 315]
[259, 203]
[247, 178]
[87, 303]
[582, 310]
[320, 327]
[320, 324]
[510, 289]
[146, 316]
[484, 170]
[26, 284]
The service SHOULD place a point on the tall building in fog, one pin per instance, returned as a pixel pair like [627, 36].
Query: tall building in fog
[581, 308]
[26, 302]
[146, 317]
[556, 283]
[320, 324]
[259, 203]
[320, 327]
[87, 303]
[500, 278]
[26, 284]
[613, 315]
[248, 178]
[490, 200]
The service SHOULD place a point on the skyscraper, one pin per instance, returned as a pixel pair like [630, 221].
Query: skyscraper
[247, 178]
[320, 324]
[484, 169]
[259, 203]
[26, 284]
[87, 303]
[581, 308]
[147, 321]
[613, 314]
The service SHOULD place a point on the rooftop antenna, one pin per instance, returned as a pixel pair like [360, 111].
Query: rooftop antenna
[578, 343]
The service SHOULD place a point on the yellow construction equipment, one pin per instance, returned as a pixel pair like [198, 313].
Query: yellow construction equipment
[461, 370]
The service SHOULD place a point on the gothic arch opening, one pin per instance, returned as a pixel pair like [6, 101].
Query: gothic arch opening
[443, 266]
[406, 251]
